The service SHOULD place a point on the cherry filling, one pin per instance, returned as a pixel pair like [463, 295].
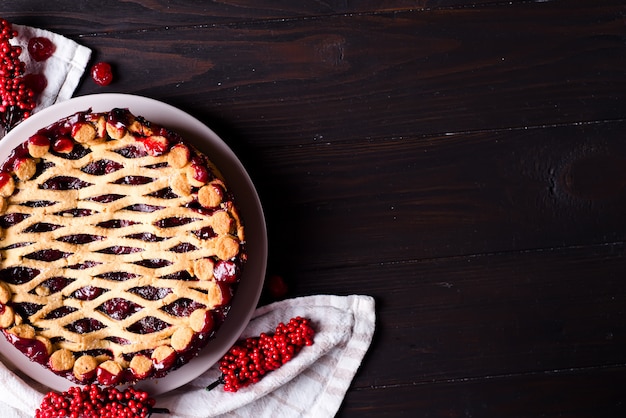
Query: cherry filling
[77, 152]
[60, 312]
[102, 167]
[85, 326]
[151, 292]
[120, 250]
[116, 223]
[154, 263]
[106, 198]
[18, 274]
[148, 325]
[10, 219]
[33, 349]
[118, 340]
[42, 227]
[55, 284]
[183, 247]
[142, 207]
[87, 293]
[76, 213]
[81, 238]
[182, 275]
[205, 233]
[47, 255]
[134, 180]
[132, 152]
[83, 266]
[146, 237]
[182, 307]
[38, 203]
[119, 308]
[64, 183]
[26, 309]
[226, 271]
[165, 193]
[118, 276]
[18, 153]
[173, 222]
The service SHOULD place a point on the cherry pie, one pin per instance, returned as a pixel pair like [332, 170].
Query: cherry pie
[121, 248]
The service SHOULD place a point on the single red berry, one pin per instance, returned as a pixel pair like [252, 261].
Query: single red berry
[276, 286]
[102, 74]
[36, 82]
[40, 48]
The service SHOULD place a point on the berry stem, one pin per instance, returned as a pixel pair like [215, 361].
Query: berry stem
[219, 381]
[158, 411]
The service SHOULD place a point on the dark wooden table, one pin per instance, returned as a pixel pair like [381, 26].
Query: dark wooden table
[461, 161]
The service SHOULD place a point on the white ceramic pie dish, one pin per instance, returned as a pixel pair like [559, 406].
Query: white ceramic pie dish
[247, 199]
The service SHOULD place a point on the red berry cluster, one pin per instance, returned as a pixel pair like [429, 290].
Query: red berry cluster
[17, 98]
[93, 401]
[250, 359]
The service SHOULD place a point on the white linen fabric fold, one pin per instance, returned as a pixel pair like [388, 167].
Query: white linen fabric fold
[63, 70]
[313, 384]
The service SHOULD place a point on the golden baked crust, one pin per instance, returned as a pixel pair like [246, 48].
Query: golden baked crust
[114, 231]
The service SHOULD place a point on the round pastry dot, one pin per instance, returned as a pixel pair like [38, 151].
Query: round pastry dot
[226, 247]
[141, 366]
[201, 320]
[23, 331]
[25, 168]
[196, 175]
[221, 222]
[179, 156]
[45, 342]
[210, 196]
[38, 145]
[5, 293]
[180, 185]
[61, 360]
[115, 131]
[63, 145]
[181, 339]
[100, 125]
[109, 372]
[7, 185]
[162, 353]
[203, 268]
[84, 366]
[83, 133]
[215, 296]
[7, 316]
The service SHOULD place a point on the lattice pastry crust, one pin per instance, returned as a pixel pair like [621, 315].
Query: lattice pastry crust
[121, 248]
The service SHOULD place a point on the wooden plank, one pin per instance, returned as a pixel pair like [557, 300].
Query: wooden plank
[572, 394]
[110, 15]
[463, 318]
[344, 204]
[441, 71]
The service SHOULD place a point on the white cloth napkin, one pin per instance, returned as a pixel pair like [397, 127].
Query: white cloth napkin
[313, 384]
[63, 70]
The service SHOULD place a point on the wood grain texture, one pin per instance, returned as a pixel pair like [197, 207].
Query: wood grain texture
[489, 315]
[297, 82]
[575, 393]
[463, 162]
[90, 17]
